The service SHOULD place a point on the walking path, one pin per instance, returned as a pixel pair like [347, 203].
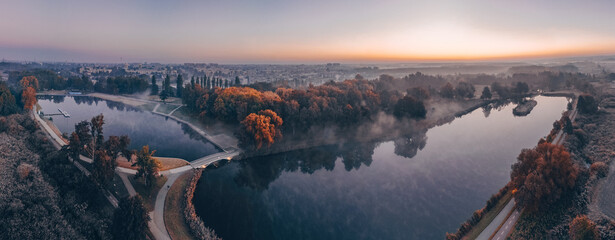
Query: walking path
[495, 223]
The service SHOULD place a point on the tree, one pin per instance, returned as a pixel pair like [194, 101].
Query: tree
[262, 127]
[465, 90]
[521, 88]
[116, 145]
[192, 81]
[447, 91]
[147, 165]
[104, 166]
[419, 93]
[96, 129]
[582, 228]
[164, 95]
[74, 146]
[542, 175]
[154, 86]
[502, 91]
[587, 104]
[486, 93]
[29, 85]
[130, 219]
[180, 86]
[8, 105]
[409, 107]
[82, 129]
[237, 81]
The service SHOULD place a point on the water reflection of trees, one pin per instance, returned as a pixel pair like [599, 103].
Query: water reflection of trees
[53, 98]
[408, 146]
[110, 104]
[257, 173]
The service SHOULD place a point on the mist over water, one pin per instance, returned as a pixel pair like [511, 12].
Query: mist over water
[414, 187]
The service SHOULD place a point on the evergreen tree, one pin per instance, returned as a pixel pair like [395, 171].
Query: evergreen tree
[154, 86]
[180, 86]
[166, 88]
[486, 93]
[237, 81]
[192, 81]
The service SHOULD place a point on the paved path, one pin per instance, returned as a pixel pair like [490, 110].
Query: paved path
[495, 223]
[171, 113]
[127, 184]
[158, 213]
[507, 226]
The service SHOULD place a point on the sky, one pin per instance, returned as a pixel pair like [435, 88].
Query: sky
[302, 31]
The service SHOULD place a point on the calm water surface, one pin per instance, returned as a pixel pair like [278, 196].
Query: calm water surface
[168, 137]
[418, 187]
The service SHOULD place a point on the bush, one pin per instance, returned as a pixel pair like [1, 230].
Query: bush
[582, 228]
[600, 169]
[24, 170]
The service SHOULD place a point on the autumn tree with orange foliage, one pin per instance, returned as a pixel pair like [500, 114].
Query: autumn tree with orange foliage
[582, 228]
[542, 175]
[29, 85]
[261, 128]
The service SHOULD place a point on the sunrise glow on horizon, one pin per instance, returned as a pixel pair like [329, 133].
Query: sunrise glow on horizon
[303, 31]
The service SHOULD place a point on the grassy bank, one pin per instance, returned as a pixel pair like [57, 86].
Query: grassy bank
[488, 217]
[148, 193]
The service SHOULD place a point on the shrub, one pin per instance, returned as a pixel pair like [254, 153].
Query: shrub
[24, 170]
[600, 169]
[582, 228]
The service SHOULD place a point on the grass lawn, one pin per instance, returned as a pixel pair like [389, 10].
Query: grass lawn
[173, 212]
[166, 108]
[148, 193]
[488, 217]
[166, 163]
[148, 106]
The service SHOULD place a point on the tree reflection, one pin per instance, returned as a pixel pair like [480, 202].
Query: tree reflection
[258, 172]
[487, 110]
[409, 146]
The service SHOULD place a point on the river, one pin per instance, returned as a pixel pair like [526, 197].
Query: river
[417, 187]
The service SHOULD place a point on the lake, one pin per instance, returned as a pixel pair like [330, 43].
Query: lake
[168, 137]
[416, 187]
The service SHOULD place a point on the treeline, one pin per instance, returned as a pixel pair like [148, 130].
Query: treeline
[14, 99]
[337, 103]
[50, 80]
[122, 85]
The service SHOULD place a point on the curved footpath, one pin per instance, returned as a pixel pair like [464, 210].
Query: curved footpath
[156, 225]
